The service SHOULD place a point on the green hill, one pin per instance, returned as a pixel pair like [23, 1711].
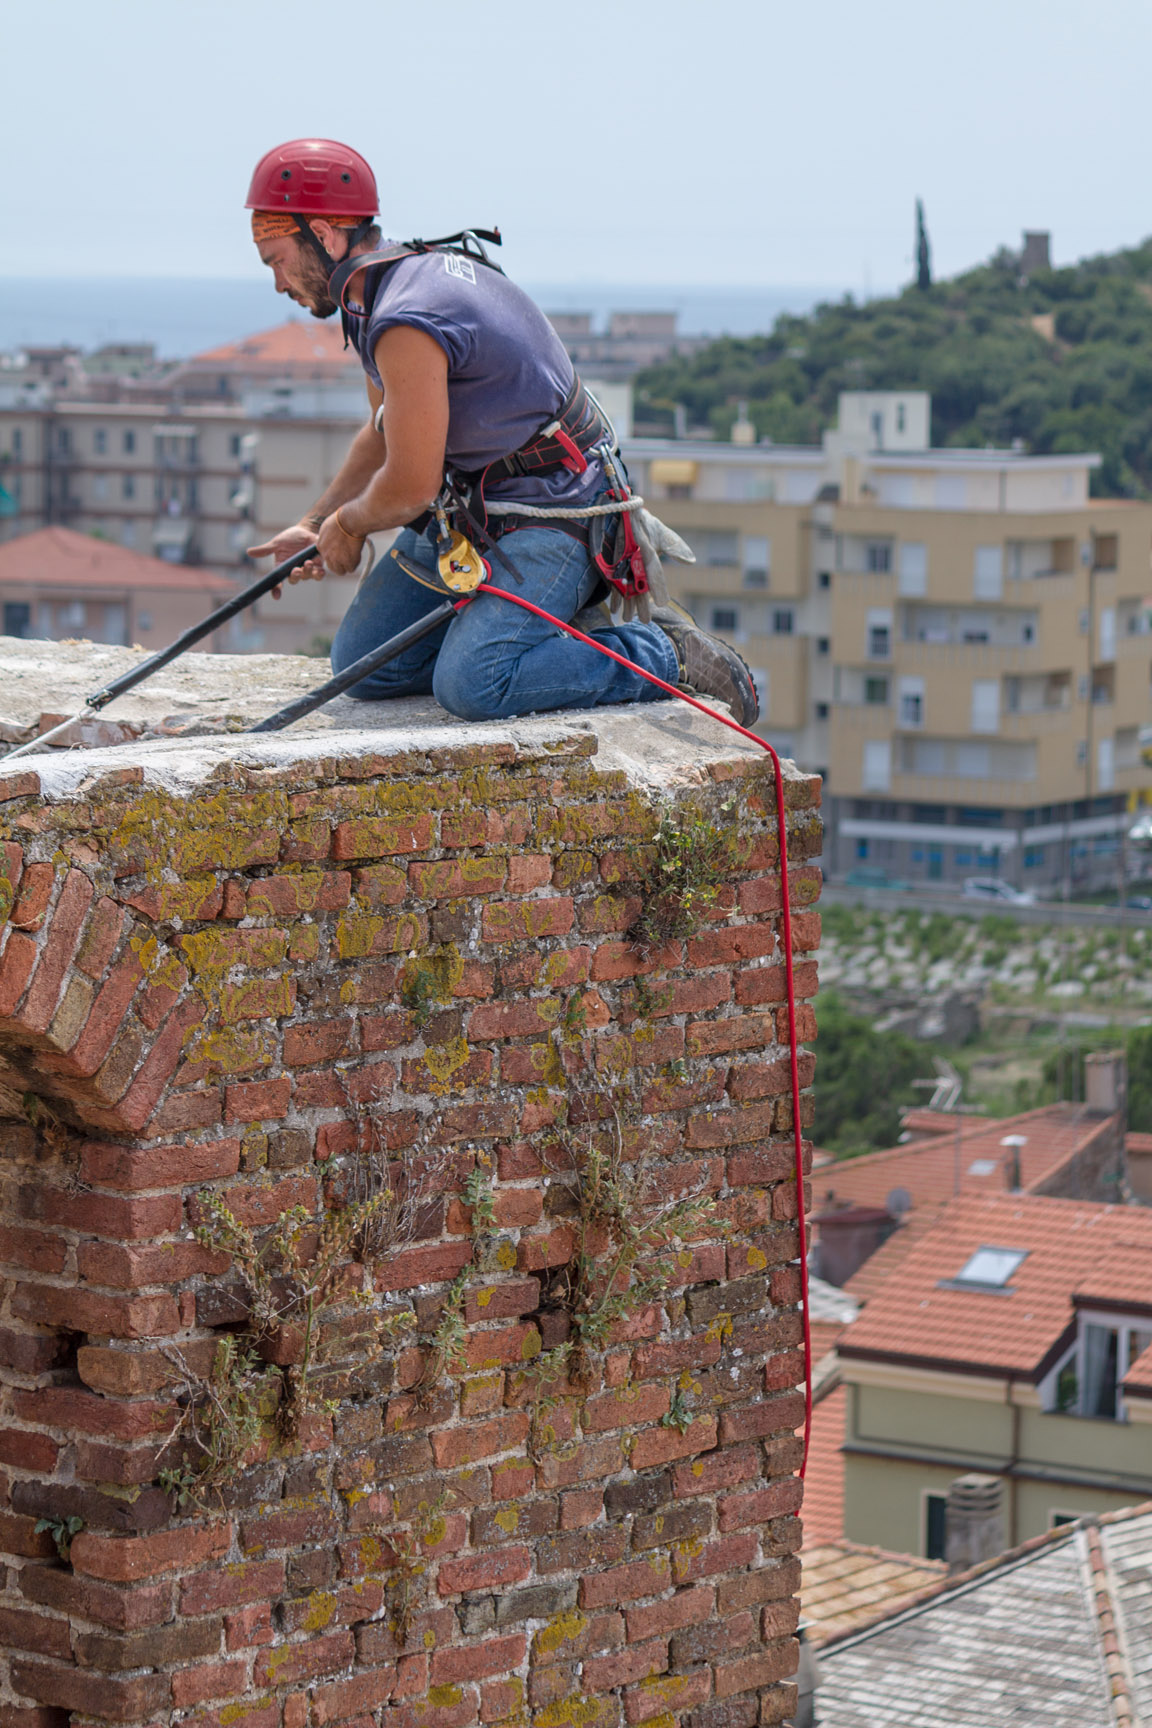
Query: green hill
[1062, 361]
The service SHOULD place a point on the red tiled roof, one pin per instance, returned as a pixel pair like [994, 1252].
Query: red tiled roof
[918, 1316]
[890, 1254]
[312, 346]
[61, 558]
[927, 1124]
[1138, 1380]
[931, 1173]
[823, 1510]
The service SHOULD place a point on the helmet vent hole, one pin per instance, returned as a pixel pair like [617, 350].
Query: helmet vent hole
[346, 177]
[285, 173]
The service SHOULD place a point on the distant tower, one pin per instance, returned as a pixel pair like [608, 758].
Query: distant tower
[923, 253]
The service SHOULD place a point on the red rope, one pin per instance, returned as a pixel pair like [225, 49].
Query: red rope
[789, 974]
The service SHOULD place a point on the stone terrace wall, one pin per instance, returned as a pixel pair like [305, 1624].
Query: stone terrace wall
[274, 980]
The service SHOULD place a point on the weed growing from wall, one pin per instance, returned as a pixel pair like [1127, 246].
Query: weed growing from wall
[680, 875]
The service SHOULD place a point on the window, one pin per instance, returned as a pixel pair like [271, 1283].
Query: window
[1081, 752]
[823, 645]
[1033, 857]
[782, 621]
[962, 857]
[725, 618]
[17, 440]
[144, 620]
[17, 618]
[879, 641]
[715, 546]
[757, 560]
[100, 441]
[861, 848]
[128, 534]
[64, 439]
[759, 678]
[985, 704]
[824, 580]
[70, 615]
[128, 486]
[988, 573]
[913, 567]
[935, 1526]
[877, 766]
[878, 556]
[876, 692]
[821, 710]
[911, 701]
[991, 1267]
[234, 444]
[901, 417]
[129, 443]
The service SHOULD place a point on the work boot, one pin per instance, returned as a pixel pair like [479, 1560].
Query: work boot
[707, 666]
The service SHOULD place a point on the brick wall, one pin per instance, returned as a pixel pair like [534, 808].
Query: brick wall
[281, 983]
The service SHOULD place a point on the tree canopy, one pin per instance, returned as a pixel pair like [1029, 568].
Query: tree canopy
[1061, 361]
[864, 1079]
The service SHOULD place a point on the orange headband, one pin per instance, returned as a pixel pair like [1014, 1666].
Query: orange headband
[271, 224]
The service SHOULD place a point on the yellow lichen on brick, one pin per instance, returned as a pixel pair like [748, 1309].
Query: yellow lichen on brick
[322, 1604]
[563, 1629]
[508, 1519]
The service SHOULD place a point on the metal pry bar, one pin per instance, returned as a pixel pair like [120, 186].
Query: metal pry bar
[195, 633]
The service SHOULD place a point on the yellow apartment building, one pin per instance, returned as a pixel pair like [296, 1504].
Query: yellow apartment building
[960, 641]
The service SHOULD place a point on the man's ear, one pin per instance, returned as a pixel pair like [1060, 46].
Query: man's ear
[334, 240]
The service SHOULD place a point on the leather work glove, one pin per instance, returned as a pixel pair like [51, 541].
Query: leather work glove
[653, 538]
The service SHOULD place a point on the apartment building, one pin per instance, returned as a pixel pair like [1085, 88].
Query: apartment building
[959, 640]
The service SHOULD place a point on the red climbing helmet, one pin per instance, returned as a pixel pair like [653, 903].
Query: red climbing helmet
[314, 177]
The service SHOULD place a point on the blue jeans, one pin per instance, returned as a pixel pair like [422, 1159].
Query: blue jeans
[493, 660]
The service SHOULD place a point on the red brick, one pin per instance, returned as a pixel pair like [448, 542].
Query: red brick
[628, 1408]
[35, 1250]
[235, 1586]
[739, 1510]
[159, 1065]
[580, 1508]
[620, 1584]
[624, 1667]
[125, 1219]
[513, 920]
[664, 1697]
[26, 1449]
[661, 1445]
[208, 1680]
[102, 1695]
[493, 1020]
[24, 1631]
[452, 1447]
[319, 1041]
[729, 1554]
[75, 898]
[249, 1627]
[722, 1469]
[35, 893]
[123, 1559]
[769, 1416]
[137, 1168]
[479, 1661]
[74, 1309]
[16, 965]
[690, 1607]
[105, 927]
[288, 895]
[381, 836]
[346, 1699]
[257, 1100]
[726, 947]
[748, 1672]
[528, 870]
[412, 1267]
[457, 878]
[491, 1571]
[614, 960]
[318, 1654]
[123, 1608]
[768, 983]
[506, 1301]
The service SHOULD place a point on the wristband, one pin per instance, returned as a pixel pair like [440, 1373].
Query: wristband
[346, 532]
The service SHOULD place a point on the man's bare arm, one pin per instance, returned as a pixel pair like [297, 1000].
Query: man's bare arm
[414, 369]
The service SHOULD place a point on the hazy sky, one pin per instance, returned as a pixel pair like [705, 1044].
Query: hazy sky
[650, 141]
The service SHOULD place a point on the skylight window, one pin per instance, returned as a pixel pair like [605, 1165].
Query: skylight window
[982, 1167]
[991, 1267]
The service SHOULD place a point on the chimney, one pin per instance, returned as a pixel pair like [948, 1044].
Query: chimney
[973, 1521]
[1105, 1081]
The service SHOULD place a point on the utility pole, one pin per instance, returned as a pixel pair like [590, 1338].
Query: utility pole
[923, 251]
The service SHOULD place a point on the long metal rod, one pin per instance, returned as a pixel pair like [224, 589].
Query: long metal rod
[359, 669]
[164, 656]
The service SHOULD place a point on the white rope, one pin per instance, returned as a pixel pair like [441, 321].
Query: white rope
[498, 507]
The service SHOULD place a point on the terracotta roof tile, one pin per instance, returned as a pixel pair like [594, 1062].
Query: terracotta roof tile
[845, 1583]
[823, 1510]
[919, 1315]
[313, 346]
[61, 558]
[932, 1173]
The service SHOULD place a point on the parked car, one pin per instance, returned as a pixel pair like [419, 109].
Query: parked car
[872, 876]
[996, 893]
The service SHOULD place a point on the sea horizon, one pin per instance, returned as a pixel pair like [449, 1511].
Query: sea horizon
[182, 316]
